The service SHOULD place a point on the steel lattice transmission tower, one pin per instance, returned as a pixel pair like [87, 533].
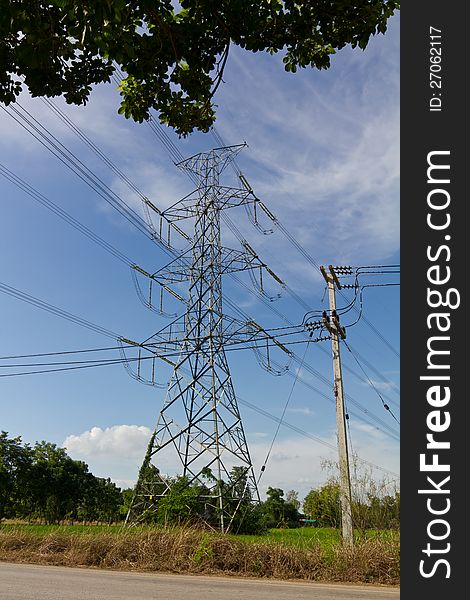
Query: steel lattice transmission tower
[200, 421]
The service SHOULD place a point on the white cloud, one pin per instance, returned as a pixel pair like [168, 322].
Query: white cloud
[325, 145]
[385, 386]
[116, 452]
[294, 463]
[304, 410]
[125, 483]
[118, 442]
[95, 119]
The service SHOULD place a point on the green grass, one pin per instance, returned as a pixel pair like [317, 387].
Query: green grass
[307, 538]
[42, 530]
[303, 537]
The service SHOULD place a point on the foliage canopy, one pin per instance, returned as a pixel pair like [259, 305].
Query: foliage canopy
[173, 54]
[43, 482]
[375, 504]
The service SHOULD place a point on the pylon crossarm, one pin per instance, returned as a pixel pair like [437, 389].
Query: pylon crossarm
[226, 197]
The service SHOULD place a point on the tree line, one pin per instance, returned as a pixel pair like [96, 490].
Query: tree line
[372, 511]
[42, 483]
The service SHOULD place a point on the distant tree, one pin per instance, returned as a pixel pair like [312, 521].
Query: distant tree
[174, 53]
[181, 505]
[385, 511]
[15, 476]
[278, 512]
[239, 487]
[248, 516]
[125, 502]
[44, 482]
[100, 501]
[109, 499]
[375, 502]
[59, 482]
[292, 497]
[324, 505]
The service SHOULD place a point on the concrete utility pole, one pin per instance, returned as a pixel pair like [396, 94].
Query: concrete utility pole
[337, 332]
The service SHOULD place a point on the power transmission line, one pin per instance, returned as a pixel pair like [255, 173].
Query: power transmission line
[14, 179]
[15, 293]
[263, 467]
[33, 193]
[386, 407]
[305, 433]
[78, 320]
[269, 342]
[4, 375]
[171, 148]
[60, 353]
[292, 239]
[69, 159]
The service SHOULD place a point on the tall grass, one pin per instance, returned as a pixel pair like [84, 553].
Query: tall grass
[187, 550]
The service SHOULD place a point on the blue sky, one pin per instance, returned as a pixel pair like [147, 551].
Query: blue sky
[323, 155]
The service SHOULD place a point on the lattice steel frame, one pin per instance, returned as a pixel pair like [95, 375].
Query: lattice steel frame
[212, 436]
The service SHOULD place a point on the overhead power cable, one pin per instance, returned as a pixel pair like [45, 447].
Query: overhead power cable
[375, 330]
[324, 380]
[91, 145]
[80, 321]
[11, 291]
[289, 322]
[297, 359]
[292, 239]
[71, 161]
[62, 352]
[301, 431]
[87, 324]
[390, 384]
[308, 435]
[246, 403]
[367, 415]
[173, 150]
[61, 369]
[263, 467]
[36, 195]
[176, 154]
[108, 162]
[103, 363]
[276, 311]
[68, 158]
[370, 382]
[70, 362]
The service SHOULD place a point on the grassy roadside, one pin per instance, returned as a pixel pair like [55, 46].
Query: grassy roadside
[185, 550]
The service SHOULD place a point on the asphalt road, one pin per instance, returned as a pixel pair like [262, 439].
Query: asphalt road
[35, 582]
